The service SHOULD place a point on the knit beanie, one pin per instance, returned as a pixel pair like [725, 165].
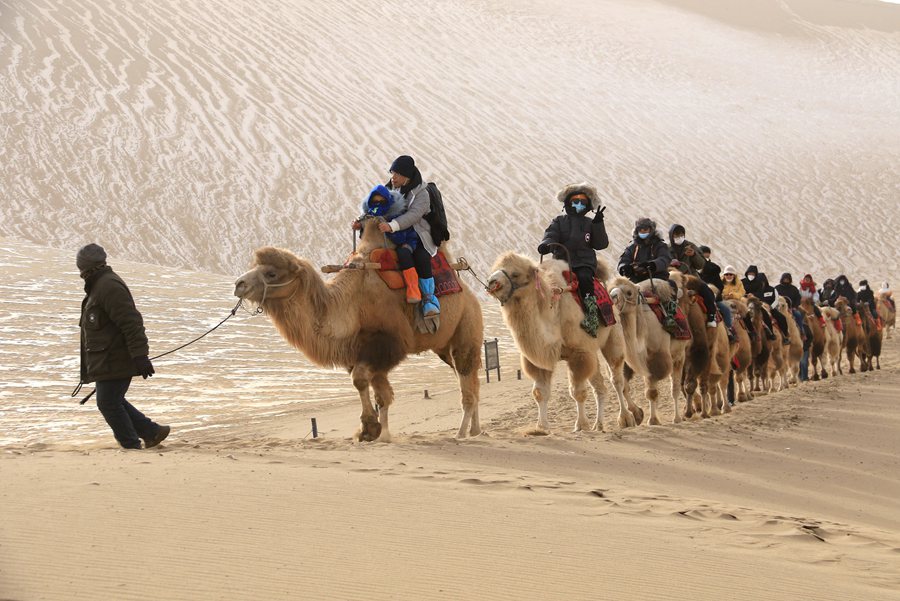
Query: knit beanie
[404, 165]
[91, 255]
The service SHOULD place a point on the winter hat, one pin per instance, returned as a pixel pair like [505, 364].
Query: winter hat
[89, 256]
[404, 165]
[729, 269]
[752, 269]
[384, 207]
[864, 283]
[645, 222]
[705, 249]
[582, 188]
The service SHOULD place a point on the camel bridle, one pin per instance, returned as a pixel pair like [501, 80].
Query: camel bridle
[266, 286]
[512, 288]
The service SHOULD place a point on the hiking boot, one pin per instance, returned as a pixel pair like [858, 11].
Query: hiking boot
[431, 307]
[413, 295]
[160, 436]
[711, 323]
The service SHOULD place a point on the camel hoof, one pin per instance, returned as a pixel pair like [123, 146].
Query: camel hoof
[726, 408]
[654, 421]
[626, 420]
[369, 431]
[638, 414]
[824, 374]
[815, 377]
[852, 371]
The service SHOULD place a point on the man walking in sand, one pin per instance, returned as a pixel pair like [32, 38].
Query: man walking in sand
[114, 349]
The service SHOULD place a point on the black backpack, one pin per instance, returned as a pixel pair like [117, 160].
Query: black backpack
[436, 217]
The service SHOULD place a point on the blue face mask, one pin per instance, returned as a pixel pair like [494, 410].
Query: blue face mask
[643, 235]
[579, 206]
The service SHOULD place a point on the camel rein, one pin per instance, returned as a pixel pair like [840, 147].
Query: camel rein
[178, 348]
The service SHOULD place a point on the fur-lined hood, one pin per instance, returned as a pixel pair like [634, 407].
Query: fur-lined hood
[582, 188]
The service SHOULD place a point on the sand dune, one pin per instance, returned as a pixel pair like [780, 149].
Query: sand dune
[126, 123]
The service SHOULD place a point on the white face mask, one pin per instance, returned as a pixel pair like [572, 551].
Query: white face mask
[751, 277]
[678, 240]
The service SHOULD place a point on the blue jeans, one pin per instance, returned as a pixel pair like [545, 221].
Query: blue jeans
[128, 424]
[726, 313]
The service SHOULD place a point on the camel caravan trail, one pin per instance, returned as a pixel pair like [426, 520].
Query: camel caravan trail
[622, 181]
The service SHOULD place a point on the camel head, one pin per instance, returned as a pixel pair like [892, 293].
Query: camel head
[624, 293]
[754, 306]
[511, 272]
[276, 274]
[738, 307]
[370, 236]
[843, 306]
[830, 313]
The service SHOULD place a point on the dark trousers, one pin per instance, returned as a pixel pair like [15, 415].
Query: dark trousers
[405, 258]
[423, 261]
[585, 277]
[782, 322]
[128, 424]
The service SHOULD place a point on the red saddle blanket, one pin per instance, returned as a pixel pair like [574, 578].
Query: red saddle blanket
[445, 281]
[700, 303]
[679, 329]
[604, 302]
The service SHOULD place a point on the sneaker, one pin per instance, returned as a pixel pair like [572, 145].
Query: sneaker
[161, 435]
[711, 323]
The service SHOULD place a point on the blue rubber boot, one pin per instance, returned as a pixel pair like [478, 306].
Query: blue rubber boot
[430, 305]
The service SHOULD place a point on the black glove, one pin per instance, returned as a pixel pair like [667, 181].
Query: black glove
[598, 217]
[627, 270]
[144, 367]
[543, 249]
[650, 266]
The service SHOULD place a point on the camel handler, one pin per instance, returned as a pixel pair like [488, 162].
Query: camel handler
[114, 349]
[575, 238]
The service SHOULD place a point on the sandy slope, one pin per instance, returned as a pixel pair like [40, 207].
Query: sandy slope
[189, 133]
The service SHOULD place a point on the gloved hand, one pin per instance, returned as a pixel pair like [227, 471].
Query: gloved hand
[627, 270]
[144, 367]
[598, 217]
[649, 266]
[543, 249]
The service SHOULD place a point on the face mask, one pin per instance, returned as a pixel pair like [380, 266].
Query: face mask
[644, 235]
[678, 240]
[579, 206]
[751, 277]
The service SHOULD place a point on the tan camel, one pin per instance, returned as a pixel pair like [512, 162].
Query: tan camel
[743, 354]
[852, 331]
[833, 339]
[887, 313]
[544, 319]
[761, 375]
[793, 353]
[817, 345]
[648, 347]
[708, 357]
[871, 349]
[356, 322]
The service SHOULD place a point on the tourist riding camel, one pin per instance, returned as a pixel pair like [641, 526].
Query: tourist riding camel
[826, 294]
[407, 181]
[864, 294]
[575, 238]
[647, 255]
[732, 288]
[770, 296]
[686, 253]
[750, 282]
[843, 288]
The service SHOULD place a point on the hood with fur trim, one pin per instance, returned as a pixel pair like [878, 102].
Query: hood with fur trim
[582, 188]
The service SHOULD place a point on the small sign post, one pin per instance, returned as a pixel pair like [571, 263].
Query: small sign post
[491, 359]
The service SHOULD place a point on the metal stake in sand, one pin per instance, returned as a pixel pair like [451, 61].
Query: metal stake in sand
[315, 428]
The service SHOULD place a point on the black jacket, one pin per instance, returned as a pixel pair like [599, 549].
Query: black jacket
[766, 293]
[843, 288]
[754, 287]
[712, 274]
[690, 265]
[112, 329]
[581, 236]
[789, 291]
[642, 251]
[866, 295]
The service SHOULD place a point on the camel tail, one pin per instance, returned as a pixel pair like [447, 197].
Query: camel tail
[604, 270]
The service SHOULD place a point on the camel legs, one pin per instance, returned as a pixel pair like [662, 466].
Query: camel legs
[370, 428]
[384, 396]
[540, 390]
[578, 389]
[469, 387]
[677, 375]
[629, 414]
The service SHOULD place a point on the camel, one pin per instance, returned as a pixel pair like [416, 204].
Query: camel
[817, 346]
[871, 349]
[707, 359]
[763, 348]
[356, 322]
[544, 319]
[793, 353]
[852, 331]
[833, 339]
[887, 313]
[648, 347]
[743, 354]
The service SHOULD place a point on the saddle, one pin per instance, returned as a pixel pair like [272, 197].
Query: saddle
[677, 326]
[604, 302]
[445, 281]
[702, 304]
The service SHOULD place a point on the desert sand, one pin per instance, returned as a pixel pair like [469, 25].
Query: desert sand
[182, 135]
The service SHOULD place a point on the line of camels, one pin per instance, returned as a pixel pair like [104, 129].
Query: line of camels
[354, 321]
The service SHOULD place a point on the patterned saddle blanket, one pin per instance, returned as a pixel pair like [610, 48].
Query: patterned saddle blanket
[445, 280]
[677, 326]
[604, 302]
